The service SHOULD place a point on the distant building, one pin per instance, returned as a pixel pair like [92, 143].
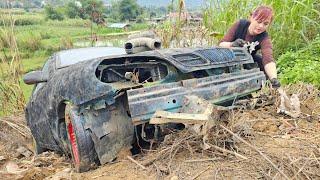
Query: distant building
[123, 26]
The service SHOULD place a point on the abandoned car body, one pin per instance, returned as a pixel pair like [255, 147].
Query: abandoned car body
[87, 101]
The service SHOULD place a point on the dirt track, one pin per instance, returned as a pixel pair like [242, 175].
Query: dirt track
[279, 146]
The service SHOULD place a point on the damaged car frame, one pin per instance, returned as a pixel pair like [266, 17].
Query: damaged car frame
[86, 102]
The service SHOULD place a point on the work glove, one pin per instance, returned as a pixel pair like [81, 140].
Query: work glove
[275, 83]
[238, 43]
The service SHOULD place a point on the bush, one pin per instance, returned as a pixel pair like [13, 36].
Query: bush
[302, 65]
[53, 13]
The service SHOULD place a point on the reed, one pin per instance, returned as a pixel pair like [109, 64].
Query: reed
[11, 94]
[177, 32]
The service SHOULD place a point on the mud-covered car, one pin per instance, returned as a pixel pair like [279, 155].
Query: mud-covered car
[87, 102]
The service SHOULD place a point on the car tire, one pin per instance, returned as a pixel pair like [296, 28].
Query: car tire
[81, 145]
[37, 149]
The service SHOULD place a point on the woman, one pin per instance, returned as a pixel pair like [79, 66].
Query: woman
[254, 30]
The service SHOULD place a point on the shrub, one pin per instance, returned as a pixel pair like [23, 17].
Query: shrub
[53, 13]
[302, 65]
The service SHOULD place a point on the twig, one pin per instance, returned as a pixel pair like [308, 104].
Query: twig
[148, 162]
[137, 163]
[104, 174]
[301, 168]
[201, 160]
[22, 130]
[227, 151]
[171, 158]
[256, 149]
[197, 175]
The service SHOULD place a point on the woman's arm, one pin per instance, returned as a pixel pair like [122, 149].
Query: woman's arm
[271, 70]
[267, 58]
[226, 41]
[226, 44]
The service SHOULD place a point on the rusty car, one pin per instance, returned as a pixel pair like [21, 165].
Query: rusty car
[87, 102]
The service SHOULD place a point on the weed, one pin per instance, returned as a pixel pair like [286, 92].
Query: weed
[302, 65]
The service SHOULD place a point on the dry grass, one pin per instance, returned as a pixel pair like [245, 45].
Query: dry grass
[11, 94]
[256, 143]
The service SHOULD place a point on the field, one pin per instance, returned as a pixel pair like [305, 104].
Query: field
[36, 38]
[255, 141]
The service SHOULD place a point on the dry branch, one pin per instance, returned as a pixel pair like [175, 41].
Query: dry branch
[227, 151]
[201, 160]
[136, 162]
[197, 175]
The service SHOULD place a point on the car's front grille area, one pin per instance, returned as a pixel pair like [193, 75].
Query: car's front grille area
[240, 54]
[190, 59]
[217, 55]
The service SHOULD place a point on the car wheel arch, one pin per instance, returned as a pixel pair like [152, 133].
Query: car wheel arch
[74, 139]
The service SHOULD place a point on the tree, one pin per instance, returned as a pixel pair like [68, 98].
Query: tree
[129, 9]
[73, 9]
[53, 13]
[93, 9]
[86, 9]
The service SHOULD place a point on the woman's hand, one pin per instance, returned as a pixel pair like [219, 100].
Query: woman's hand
[275, 83]
[238, 43]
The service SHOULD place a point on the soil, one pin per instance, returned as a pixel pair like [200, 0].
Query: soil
[262, 144]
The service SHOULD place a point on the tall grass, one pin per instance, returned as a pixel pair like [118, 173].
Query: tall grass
[179, 32]
[295, 24]
[11, 94]
[20, 18]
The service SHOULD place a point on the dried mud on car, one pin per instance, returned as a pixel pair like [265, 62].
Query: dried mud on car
[279, 146]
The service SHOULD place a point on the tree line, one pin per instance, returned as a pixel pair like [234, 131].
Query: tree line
[95, 10]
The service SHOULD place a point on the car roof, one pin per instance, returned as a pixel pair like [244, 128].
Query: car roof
[68, 57]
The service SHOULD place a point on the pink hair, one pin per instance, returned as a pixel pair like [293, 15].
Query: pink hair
[262, 13]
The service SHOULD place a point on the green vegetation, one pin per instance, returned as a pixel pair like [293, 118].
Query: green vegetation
[128, 9]
[53, 13]
[27, 39]
[302, 65]
[11, 93]
[86, 9]
[296, 23]
[295, 26]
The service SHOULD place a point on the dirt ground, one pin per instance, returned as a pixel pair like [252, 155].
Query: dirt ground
[253, 142]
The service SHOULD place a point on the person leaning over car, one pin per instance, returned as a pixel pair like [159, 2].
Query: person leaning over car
[254, 30]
